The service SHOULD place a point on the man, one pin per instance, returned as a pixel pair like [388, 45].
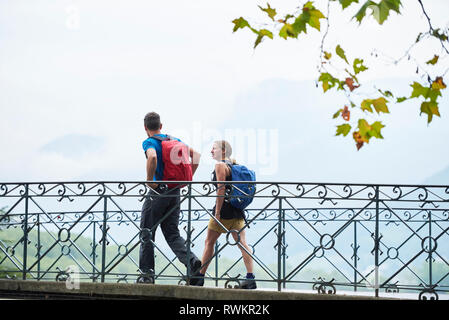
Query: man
[162, 205]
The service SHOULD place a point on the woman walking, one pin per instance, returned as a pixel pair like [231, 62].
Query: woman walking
[229, 217]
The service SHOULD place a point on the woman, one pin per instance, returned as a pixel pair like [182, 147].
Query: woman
[229, 217]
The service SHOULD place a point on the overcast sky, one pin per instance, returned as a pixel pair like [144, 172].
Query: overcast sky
[77, 78]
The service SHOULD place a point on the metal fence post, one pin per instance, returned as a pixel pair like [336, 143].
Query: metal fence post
[284, 249]
[189, 226]
[103, 240]
[25, 235]
[376, 247]
[355, 255]
[280, 219]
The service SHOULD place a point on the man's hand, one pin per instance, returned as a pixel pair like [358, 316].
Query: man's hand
[153, 185]
[195, 157]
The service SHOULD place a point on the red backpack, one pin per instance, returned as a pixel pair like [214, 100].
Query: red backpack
[175, 156]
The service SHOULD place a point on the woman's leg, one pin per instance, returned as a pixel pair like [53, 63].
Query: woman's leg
[247, 259]
[211, 239]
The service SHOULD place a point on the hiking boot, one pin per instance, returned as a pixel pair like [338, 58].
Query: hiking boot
[195, 267]
[248, 284]
[198, 280]
[145, 279]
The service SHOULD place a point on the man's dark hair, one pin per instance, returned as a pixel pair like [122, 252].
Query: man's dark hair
[152, 121]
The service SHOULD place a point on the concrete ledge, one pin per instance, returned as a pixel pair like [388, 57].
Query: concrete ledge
[154, 291]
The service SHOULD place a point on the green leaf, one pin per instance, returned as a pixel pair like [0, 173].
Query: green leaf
[386, 93]
[362, 11]
[364, 127]
[433, 61]
[368, 131]
[240, 23]
[347, 3]
[328, 81]
[327, 55]
[431, 109]
[287, 31]
[358, 66]
[341, 53]
[366, 105]
[375, 130]
[270, 11]
[262, 33]
[425, 92]
[380, 11]
[343, 129]
[309, 16]
[315, 16]
[401, 99]
[380, 105]
[442, 36]
[337, 114]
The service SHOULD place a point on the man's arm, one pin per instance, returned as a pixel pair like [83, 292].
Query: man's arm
[195, 156]
[151, 166]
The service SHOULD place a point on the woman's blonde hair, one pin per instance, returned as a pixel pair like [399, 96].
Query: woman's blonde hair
[226, 149]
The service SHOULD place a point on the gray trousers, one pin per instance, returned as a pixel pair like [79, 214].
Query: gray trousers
[162, 210]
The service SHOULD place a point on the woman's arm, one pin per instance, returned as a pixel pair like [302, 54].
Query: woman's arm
[220, 172]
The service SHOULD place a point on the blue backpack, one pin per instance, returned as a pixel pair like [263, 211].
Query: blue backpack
[242, 193]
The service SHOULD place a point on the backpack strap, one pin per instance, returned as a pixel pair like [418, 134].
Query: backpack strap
[162, 138]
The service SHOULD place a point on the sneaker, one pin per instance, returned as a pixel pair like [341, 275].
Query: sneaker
[248, 284]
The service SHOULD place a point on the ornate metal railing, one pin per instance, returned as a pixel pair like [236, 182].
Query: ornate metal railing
[324, 237]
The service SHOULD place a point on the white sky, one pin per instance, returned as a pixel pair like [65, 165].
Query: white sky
[93, 68]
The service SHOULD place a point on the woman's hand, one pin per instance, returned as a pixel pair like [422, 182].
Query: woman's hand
[217, 214]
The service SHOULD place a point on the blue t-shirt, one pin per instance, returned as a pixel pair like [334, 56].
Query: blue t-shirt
[157, 145]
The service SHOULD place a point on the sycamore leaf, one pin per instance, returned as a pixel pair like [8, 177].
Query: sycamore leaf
[270, 11]
[327, 55]
[341, 53]
[262, 33]
[366, 105]
[379, 104]
[362, 11]
[347, 3]
[358, 66]
[436, 33]
[434, 60]
[386, 93]
[337, 114]
[350, 83]
[346, 114]
[309, 16]
[343, 129]
[438, 84]
[380, 11]
[358, 139]
[367, 131]
[431, 92]
[315, 16]
[375, 130]
[240, 23]
[328, 81]
[287, 31]
[431, 109]
[401, 99]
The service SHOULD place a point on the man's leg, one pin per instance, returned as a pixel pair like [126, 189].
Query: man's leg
[151, 210]
[171, 233]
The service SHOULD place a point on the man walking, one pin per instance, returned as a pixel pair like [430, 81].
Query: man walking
[162, 205]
